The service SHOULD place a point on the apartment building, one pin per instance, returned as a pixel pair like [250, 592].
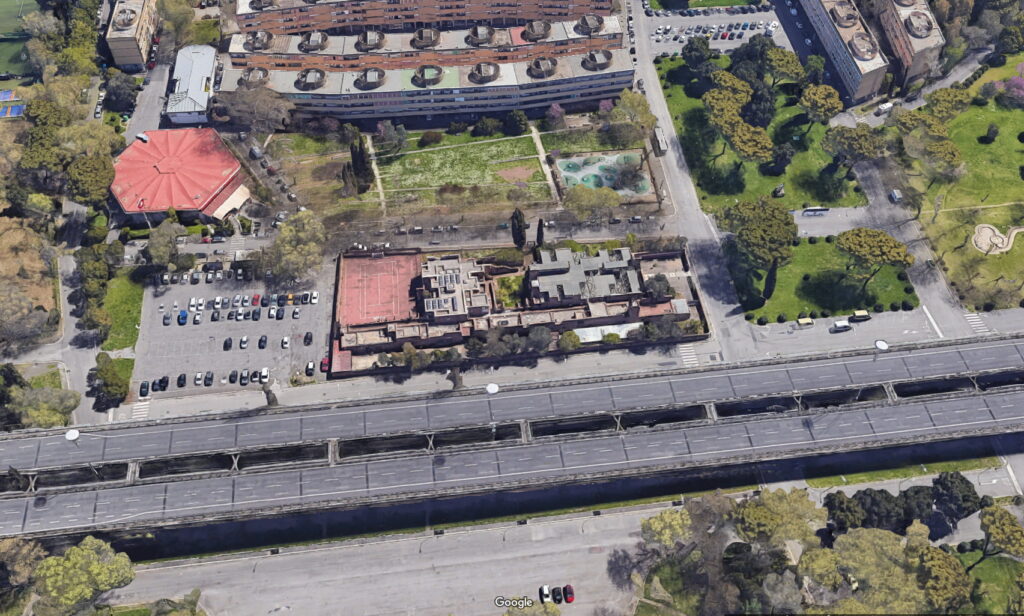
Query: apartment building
[452, 290]
[850, 46]
[191, 84]
[562, 277]
[130, 33]
[296, 16]
[481, 43]
[431, 92]
[914, 36]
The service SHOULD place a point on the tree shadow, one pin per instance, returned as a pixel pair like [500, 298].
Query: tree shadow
[794, 127]
[621, 566]
[834, 290]
[826, 186]
[87, 339]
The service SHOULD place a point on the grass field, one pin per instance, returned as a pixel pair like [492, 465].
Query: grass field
[998, 575]
[47, 380]
[579, 140]
[466, 165]
[904, 472]
[205, 32]
[991, 192]
[11, 11]
[827, 289]
[722, 180]
[998, 73]
[285, 145]
[124, 303]
[465, 136]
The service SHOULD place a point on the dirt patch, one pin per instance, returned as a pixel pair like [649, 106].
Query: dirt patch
[25, 260]
[327, 172]
[516, 174]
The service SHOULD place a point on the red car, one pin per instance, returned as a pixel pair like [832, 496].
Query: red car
[151, 65]
[325, 364]
[568, 594]
[256, 299]
[725, 35]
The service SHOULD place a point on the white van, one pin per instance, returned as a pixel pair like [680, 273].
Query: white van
[883, 109]
[842, 325]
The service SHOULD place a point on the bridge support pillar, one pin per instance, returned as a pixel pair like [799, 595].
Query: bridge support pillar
[524, 430]
[618, 422]
[234, 461]
[890, 392]
[333, 453]
[710, 412]
[133, 472]
[430, 442]
[31, 483]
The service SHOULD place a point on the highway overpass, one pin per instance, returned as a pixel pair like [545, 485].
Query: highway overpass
[242, 466]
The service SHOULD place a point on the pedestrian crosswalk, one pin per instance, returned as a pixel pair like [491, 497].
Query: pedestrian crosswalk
[977, 323]
[140, 410]
[237, 242]
[688, 355]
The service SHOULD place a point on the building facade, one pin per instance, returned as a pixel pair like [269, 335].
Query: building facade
[431, 91]
[297, 16]
[129, 36]
[914, 36]
[192, 84]
[389, 51]
[850, 46]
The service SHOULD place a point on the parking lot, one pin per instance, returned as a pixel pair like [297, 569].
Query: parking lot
[166, 348]
[713, 25]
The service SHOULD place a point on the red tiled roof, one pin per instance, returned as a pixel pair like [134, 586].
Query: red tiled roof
[183, 168]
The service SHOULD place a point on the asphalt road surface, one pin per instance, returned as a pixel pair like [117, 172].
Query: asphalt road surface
[459, 573]
[118, 443]
[424, 474]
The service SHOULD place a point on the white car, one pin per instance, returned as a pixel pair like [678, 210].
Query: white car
[243, 342]
[201, 305]
[284, 342]
[314, 297]
[264, 375]
[196, 320]
[272, 312]
[199, 378]
[216, 302]
[808, 42]
[191, 303]
[237, 301]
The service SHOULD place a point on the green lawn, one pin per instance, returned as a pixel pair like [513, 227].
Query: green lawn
[828, 288]
[299, 144]
[904, 472]
[124, 303]
[721, 180]
[12, 47]
[468, 165]
[999, 73]
[998, 576]
[465, 136]
[580, 140]
[993, 178]
[205, 32]
[510, 290]
[47, 380]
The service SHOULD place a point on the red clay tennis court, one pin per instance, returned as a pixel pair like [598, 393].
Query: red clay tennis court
[376, 290]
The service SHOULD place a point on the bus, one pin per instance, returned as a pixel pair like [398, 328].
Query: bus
[659, 141]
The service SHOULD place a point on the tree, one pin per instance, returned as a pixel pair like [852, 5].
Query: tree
[1003, 533]
[881, 509]
[633, 108]
[782, 155]
[754, 52]
[751, 143]
[992, 133]
[81, 574]
[916, 503]
[90, 139]
[298, 247]
[163, 242]
[765, 231]
[821, 103]
[1011, 39]
[779, 516]
[814, 70]
[113, 384]
[822, 566]
[121, 91]
[658, 287]
[947, 586]
[623, 136]
[540, 233]
[389, 139]
[955, 496]
[667, 528]
[538, 339]
[20, 322]
[518, 228]
[853, 145]
[784, 64]
[486, 127]
[44, 407]
[845, 512]
[568, 341]
[586, 202]
[555, 117]
[760, 109]
[89, 179]
[944, 159]
[18, 560]
[696, 53]
[947, 103]
[260, 108]
[516, 123]
[871, 249]
[886, 578]
[177, 16]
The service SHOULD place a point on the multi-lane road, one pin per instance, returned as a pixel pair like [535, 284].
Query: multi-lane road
[510, 463]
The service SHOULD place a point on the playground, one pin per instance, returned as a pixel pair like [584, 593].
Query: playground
[605, 170]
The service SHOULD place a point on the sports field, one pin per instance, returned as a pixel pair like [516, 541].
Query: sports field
[12, 41]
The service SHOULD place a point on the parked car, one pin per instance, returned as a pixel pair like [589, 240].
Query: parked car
[233, 376]
[295, 313]
[568, 593]
[227, 344]
[182, 317]
[280, 314]
[167, 318]
[556, 594]
[243, 342]
[325, 364]
[208, 379]
[545, 593]
[244, 378]
[264, 375]
[307, 339]
[309, 369]
[256, 314]
[199, 378]
[314, 297]
[144, 389]
[263, 342]
[197, 319]
[285, 342]
[182, 379]
[272, 312]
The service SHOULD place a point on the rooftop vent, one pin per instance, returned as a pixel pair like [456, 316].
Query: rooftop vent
[844, 14]
[597, 60]
[254, 76]
[484, 72]
[590, 24]
[542, 67]
[863, 46]
[310, 79]
[428, 75]
[537, 30]
[125, 18]
[918, 24]
[426, 37]
[370, 78]
[480, 35]
[370, 40]
[313, 41]
[259, 5]
[259, 40]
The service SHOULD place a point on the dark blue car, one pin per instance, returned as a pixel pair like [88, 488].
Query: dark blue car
[183, 317]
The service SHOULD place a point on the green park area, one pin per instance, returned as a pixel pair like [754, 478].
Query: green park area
[996, 578]
[492, 173]
[990, 191]
[12, 39]
[722, 179]
[579, 140]
[123, 302]
[815, 282]
[413, 142]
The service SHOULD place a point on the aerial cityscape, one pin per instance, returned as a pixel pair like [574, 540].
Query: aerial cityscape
[511, 308]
